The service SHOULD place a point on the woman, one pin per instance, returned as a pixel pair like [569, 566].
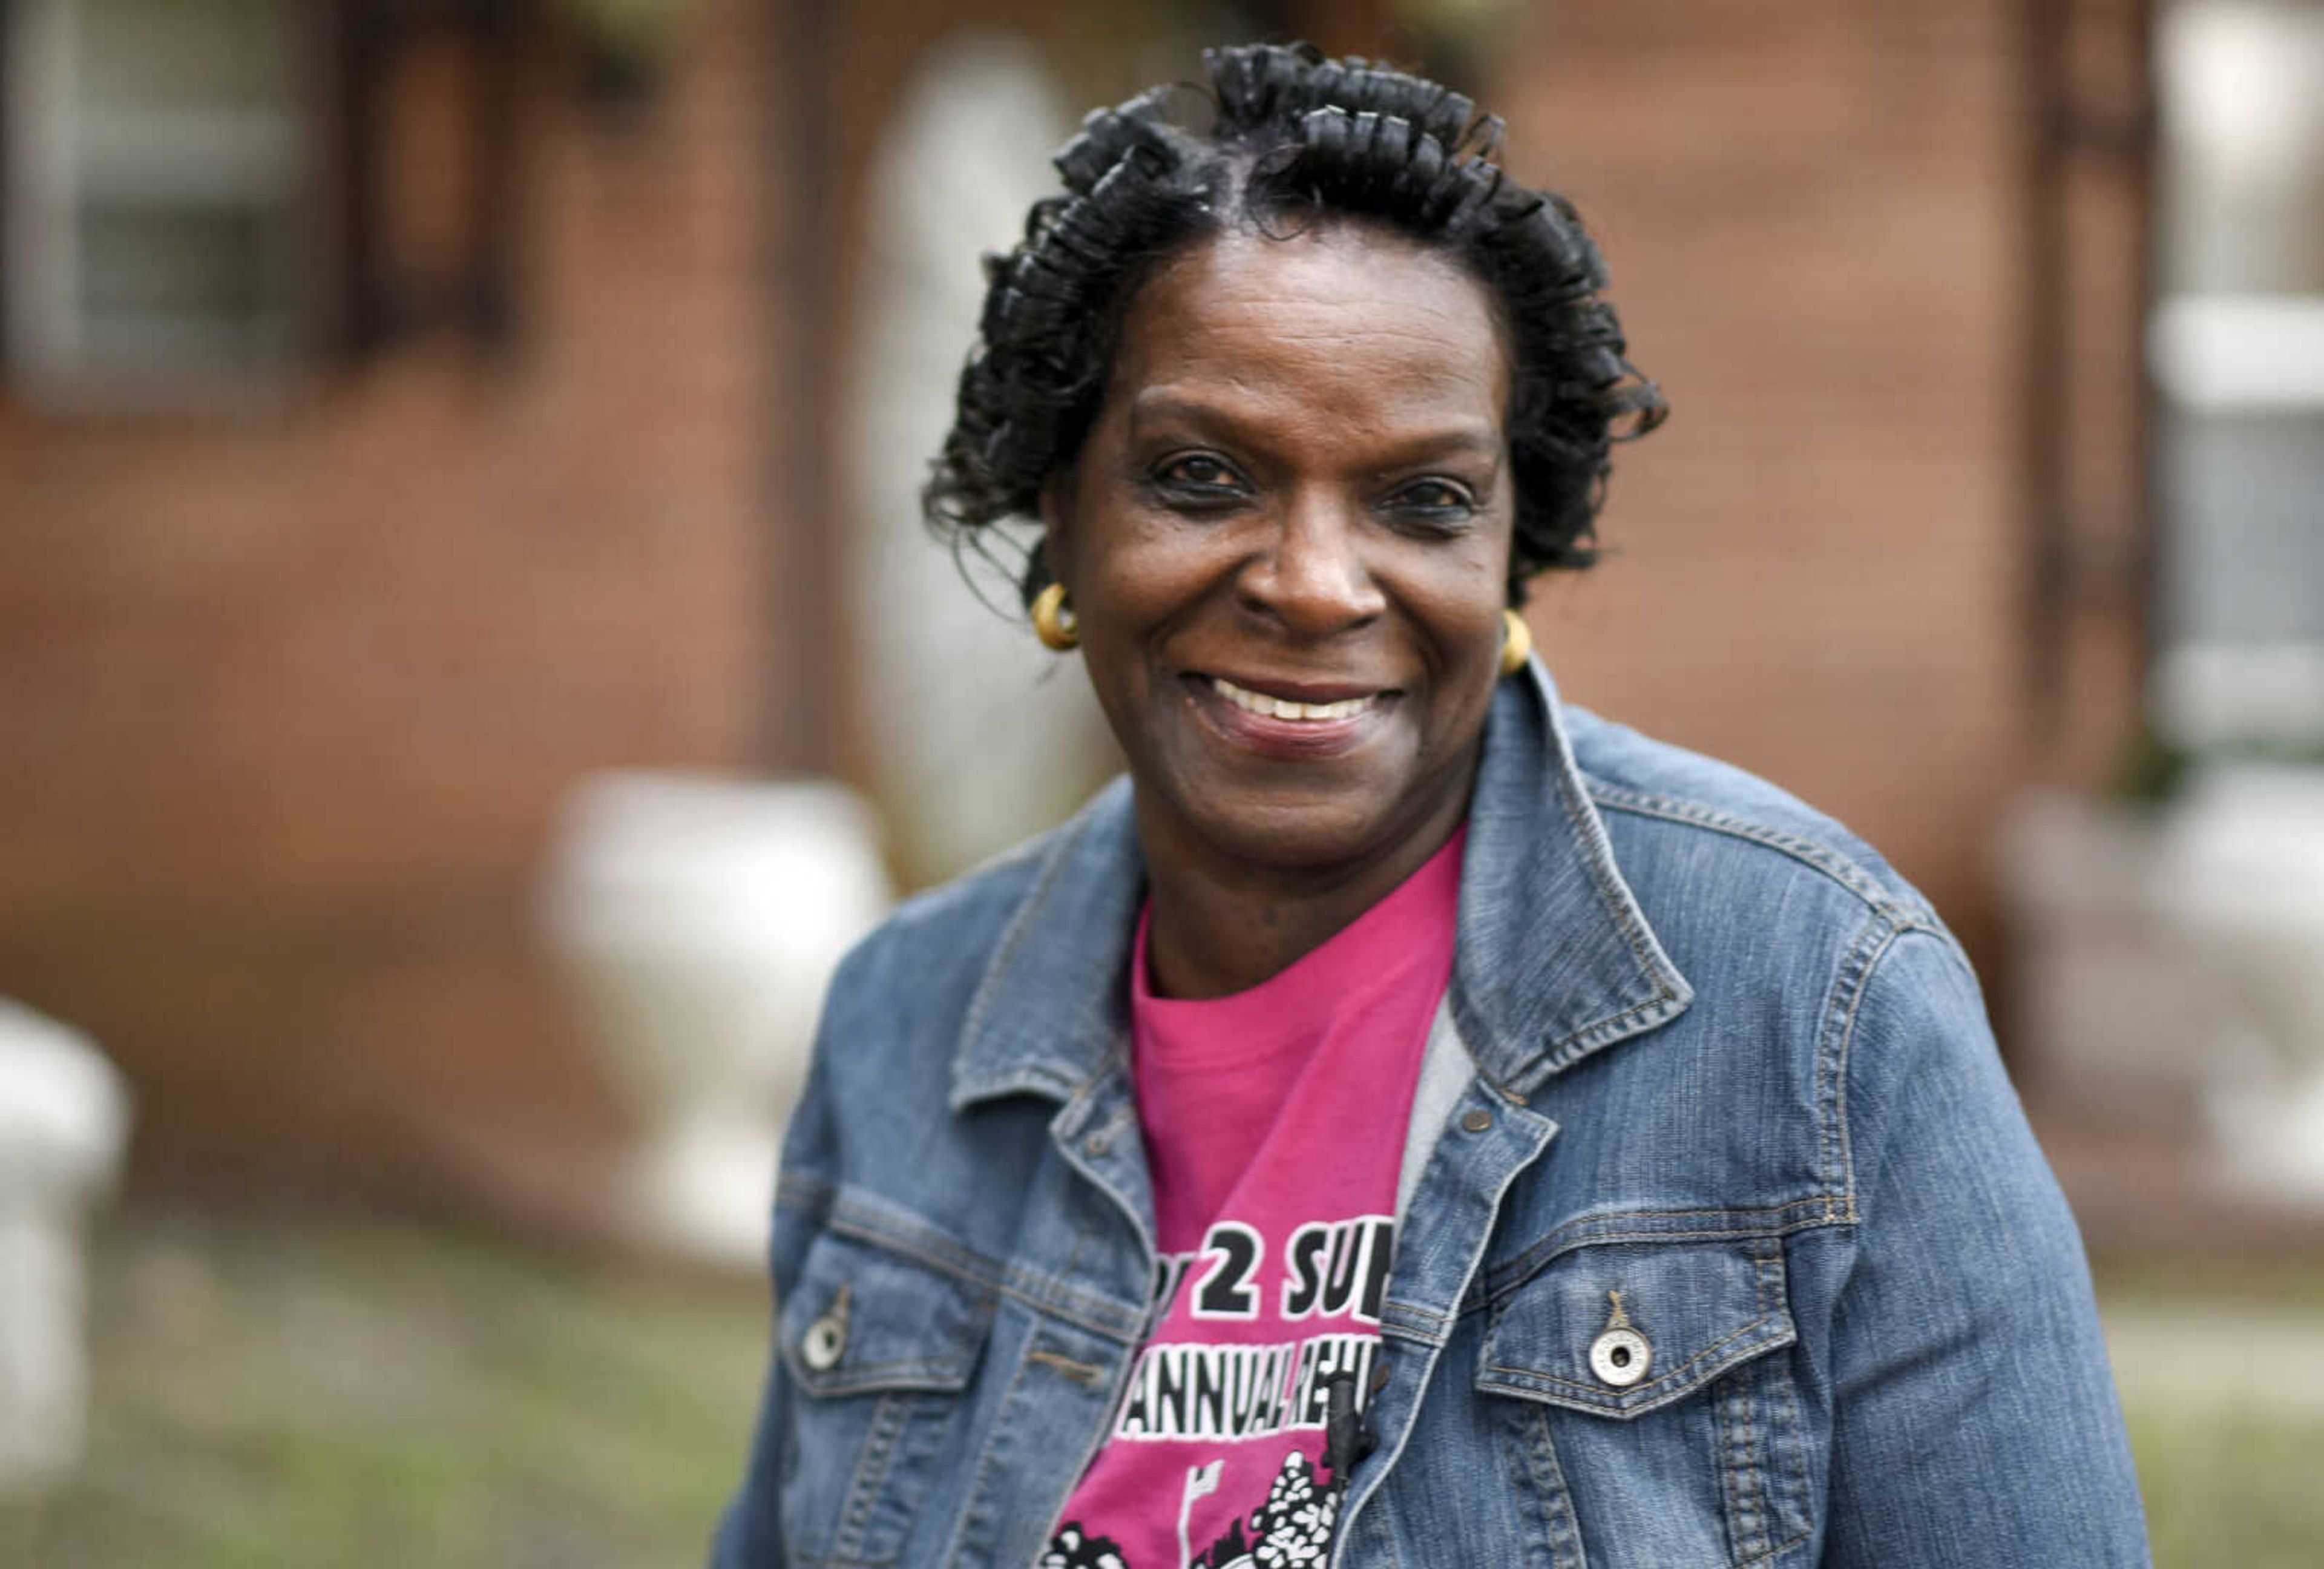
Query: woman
[1407, 1122]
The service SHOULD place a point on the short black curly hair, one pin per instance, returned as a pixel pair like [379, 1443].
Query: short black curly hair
[1295, 137]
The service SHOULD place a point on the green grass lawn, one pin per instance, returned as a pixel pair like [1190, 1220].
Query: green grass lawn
[2226, 1409]
[2230, 1488]
[302, 1391]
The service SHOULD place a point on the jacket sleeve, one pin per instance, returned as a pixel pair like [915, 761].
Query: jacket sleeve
[1974, 1415]
[750, 1534]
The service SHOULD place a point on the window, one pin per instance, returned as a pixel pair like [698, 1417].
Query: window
[163, 235]
[2236, 347]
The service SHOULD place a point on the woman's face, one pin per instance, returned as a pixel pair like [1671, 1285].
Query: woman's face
[1287, 540]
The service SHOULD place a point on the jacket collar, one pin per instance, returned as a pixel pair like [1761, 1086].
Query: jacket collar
[1555, 958]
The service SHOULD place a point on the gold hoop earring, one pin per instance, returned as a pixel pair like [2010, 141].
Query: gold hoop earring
[1517, 642]
[1053, 622]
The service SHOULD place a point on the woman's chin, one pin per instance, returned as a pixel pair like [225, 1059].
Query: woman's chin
[1295, 831]
[1205, 798]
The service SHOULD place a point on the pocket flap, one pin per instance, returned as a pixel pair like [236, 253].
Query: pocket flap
[863, 1317]
[1686, 1313]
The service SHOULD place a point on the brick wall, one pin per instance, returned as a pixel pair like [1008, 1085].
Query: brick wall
[288, 700]
[1816, 566]
[289, 696]
[1819, 570]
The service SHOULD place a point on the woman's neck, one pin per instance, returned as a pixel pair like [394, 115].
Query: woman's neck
[1222, 925]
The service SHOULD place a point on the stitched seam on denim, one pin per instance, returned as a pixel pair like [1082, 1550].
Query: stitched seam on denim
[1132, 1321]
[1426, 1324]
[848, 1220]
[1419, 1325]
[1022, 1078]
[1564, 1539]
[1841, 869]
[1045, 1296]
[1800, 1215]
[1424, 1370]
[1746, 1513]
[1670, 1383]
[1564, 1053]
[1048, 1298]
[1778, 1550]
[1847, 1044]
[870, 1475]
[1750, 1442]
[1020, 929]
[1000, 1432]
[870, 1471]
[1598, 857]
[1784, 1439]
[1768, 1279]
[990, 1280]
[1409, 1322]
[1502, 1293]
[868, 1376]
[1085, 1374]
[1835, 1040]
[1116, 1394]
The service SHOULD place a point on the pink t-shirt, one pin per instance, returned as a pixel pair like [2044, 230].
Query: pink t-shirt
[1274, 1125]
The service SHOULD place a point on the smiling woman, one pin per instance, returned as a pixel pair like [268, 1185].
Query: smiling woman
[1287, 538]
[1407, 1120]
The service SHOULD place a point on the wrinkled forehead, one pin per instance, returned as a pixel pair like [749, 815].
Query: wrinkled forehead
[1347, 320]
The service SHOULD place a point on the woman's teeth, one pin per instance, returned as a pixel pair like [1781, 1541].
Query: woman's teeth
[1281, 708]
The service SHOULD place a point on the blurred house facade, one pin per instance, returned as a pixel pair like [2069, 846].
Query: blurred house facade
[302, 637]
[305, 635]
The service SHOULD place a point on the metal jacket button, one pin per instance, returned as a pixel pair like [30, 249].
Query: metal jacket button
[1621, 1355]
[825, 1340]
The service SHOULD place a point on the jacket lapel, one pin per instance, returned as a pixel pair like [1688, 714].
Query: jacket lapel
[1053, 1007]
[1555, 959]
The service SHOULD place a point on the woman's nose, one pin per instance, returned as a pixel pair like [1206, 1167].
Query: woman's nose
[1312, 575]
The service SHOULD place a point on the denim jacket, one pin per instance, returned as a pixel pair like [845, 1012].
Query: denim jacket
[1718, 1058]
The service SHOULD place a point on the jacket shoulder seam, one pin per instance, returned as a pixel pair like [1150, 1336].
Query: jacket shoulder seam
[1836, 1039]
[1878, 942]
[1812, 854]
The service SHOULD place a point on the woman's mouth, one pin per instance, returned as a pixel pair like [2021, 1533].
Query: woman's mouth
[1273, 707]
[1305, 722]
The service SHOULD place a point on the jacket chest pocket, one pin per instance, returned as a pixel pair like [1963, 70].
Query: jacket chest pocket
[877, 1348]
[1664, 1424]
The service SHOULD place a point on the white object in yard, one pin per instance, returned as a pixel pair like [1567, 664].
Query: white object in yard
[2121, 1018]
[64, 1120]
[2244, 874]
[700, 920]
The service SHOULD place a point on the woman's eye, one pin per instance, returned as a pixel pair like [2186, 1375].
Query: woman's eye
[1436, 497]
[1197, 471]
[1198, 482]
